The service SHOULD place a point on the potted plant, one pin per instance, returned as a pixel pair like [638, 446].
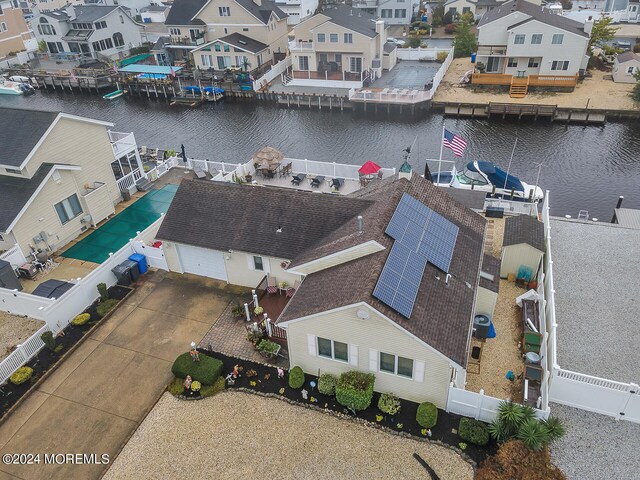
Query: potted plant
[238, 311]
[282, 285]
[268, 348]
[258, 310]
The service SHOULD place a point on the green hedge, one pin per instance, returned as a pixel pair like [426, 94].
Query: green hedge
[327, 384]
[206, 371]
[427, 415]
[473, 431]
[296, 378]
[354, 389]
[105, 307]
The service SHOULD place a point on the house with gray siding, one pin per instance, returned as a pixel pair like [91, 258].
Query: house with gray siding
[393, 12]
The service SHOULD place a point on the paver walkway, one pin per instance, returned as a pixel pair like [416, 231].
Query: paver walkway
[96, 399]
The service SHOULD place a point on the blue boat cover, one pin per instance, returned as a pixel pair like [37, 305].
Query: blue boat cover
[497, 176]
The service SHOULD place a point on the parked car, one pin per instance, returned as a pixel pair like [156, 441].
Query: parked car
[623, 45]
[397, 42]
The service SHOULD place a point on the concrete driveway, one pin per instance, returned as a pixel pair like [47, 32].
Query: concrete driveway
[97, 398]
[408, 74]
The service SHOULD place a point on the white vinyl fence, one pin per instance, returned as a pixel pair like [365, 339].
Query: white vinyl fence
[275, 71]
[14, 256]
[428, 54]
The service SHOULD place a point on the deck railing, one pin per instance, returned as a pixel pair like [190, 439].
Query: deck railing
[129, 180]
[490, 79]
[533, 80]
[553, 80]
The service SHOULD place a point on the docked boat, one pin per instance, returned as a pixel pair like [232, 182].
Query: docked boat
[15, 88]
[113, 95]
[487, 177]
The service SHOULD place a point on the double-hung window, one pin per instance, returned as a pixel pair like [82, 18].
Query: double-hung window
[534, 62]
[560, 65]
[396, 365]
[333, 349]
[68, 209]
[557, 39]
[348, 38]
[512, 62]
[224, 11]
[536, 39]
[519, 39]
[333, 37]
[321, 38]
[258, 263]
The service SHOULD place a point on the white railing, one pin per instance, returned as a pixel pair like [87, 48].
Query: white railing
[441, 72]
[513, 206]
[14, 256]
[333, 169]
[155, 256]
[420, 53]
[212, 166]
[275, 70]
[22, 354]
[300, 45]
[122, 143]
[129, 180]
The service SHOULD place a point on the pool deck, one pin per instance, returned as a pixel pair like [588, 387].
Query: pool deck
[595, 267]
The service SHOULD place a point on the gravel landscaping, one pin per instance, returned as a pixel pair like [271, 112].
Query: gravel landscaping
[14, 330]
[595, 446]
[240, 435]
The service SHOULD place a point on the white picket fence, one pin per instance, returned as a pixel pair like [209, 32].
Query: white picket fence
[429, 54]
[275, 71]
[22, 354]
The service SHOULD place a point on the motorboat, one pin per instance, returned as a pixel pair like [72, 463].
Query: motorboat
[15, 88]
[487, 177]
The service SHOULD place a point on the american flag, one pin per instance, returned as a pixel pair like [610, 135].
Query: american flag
[172, 72]
[454, 142]
[115, 66]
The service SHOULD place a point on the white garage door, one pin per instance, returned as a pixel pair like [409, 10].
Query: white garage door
[202, 261]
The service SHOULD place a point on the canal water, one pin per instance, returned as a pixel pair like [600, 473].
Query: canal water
[583, 167]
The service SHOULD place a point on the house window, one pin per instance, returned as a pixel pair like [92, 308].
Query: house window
[258, 263]
[121, 19]
[386, 13]
[226, 48]
[452, 10]
[321, 38]
[512, 63]
[174, 31]
[3, 27]
[536, 39]
[1, 238]
[224, 62]
[333, 37]
[466, 9]
[557, 38]
[348, 38]
[534, 62]
[629, 72]
[332, 349]
[206, 61]
[355, 63]
[245, 29]
[101, 25]
[44, 28]
[68, 209]
[118, 40]
[560, 65]
[396, 365]
[400, 13]
[217, 47]
[224, 11]
[519, 39]
[303, 63]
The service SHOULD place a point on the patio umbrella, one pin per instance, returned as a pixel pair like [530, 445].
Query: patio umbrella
[427, 173]
[269, 156]
[369, 168]
[184, 155]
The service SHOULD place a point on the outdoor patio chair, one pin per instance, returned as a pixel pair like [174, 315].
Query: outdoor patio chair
[337, 183]
[297, 179]
[317, 181]
[272, 285]
[292, 290]
[199, 172]
[143, 150]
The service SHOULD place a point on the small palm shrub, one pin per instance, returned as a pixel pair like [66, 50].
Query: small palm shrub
[427, 415]
[389, 403]
[533, 434]
[102, 290]
[327, 384]
[50, 342]
[555, 428]
[296, 378]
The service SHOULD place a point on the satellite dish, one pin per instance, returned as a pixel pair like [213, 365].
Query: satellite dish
[363, 314]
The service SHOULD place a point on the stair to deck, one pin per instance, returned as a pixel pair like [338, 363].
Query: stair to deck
[519, 87]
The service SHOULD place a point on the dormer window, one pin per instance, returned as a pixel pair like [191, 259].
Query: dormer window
[224, 11]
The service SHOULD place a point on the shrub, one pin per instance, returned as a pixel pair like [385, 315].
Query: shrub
[106, 306]
[427, 415]
[269, 348]
[442, 56]
[414, 42]
[515, 460]
[354, 390]
[102, 289]
[555, 428]
[81, 319]
[450, 29]
[209, 390]
[49, 341]
[176, 387]
[327, 384]
[473, 431]
[195, 386]
[533, 434]
[23, 374]
[389, 403]
[296, 378]
[206, 371]
[635, 93]
[636, 48]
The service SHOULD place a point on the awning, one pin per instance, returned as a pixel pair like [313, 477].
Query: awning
[157, 69]
[134, 59]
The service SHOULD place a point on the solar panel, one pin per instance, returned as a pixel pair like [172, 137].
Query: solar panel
[420, 236]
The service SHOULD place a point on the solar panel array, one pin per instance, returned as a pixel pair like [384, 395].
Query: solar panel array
[420, 236]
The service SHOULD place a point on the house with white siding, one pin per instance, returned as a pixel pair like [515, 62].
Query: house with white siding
[57, 177]
[625, 67]
[351, 307]
[393, 12]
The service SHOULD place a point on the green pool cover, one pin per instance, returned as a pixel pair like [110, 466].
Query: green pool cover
[114, 234]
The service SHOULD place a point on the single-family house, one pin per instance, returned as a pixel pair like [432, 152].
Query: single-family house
[522, 45]
[57, 177]
[625, 67]
[340, 44]
[297, 10]
[393, 12]
[88, 30]
[622, 10]
[40, 6]
[13, 29]
[390, 275]
[476, 7]
[522, 245]
[221, 34]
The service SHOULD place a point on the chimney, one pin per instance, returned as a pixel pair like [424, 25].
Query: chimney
[588, 26]
[258, 2]
[359, 224]
[382, 37]
[70, 11]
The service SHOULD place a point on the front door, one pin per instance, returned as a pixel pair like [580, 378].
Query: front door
[355, 64]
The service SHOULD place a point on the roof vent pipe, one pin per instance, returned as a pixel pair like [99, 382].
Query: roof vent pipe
[446, 280]
[359, 224]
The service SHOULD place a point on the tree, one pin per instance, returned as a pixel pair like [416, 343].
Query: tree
[602, 31]
[438, 14]
[465, 40]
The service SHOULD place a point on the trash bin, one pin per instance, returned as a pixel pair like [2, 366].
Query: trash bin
[126, 196]
[132, 266]
[473, 57]
[141, 260]
[123, 274]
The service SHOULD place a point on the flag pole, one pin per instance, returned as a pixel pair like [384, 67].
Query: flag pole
[509, 167]
[441, 147]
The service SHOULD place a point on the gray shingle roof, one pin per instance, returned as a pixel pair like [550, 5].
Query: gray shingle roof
[524, 229]
[535, 12]
[227, 216]
[182, 11]
[91, 13]
[263, 12]
[352, 18]
[491, 265]
[626, 56]
[16, 192]
[20, 131]
[244, 42]
[442, 315]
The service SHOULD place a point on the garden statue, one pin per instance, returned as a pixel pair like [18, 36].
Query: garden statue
[236, 371]
[229, 379]
[280, 373]
[187, 382]
[305, 394]
[195, 356]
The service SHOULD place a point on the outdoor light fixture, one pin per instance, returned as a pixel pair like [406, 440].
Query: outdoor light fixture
[193, 344]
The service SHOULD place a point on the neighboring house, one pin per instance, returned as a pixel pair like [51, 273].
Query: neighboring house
[40, 6]
[88, 30]
[154, 14]
[56, 177]
[340, 44]
[625, 66]
[297, 10]
[349, 312]
[13, 29]
[623, 10]
[522, 245]
[198, 27]
[160, 51]
[523, 40]
[393, 12]
[134, 6]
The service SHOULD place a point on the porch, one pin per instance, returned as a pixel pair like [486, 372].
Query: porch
[326, 77]
[519, 84]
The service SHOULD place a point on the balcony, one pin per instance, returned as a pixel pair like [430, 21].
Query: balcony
[187, 41]
[122, 143]
[299, 46]
[492, 51]
[364, 3]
